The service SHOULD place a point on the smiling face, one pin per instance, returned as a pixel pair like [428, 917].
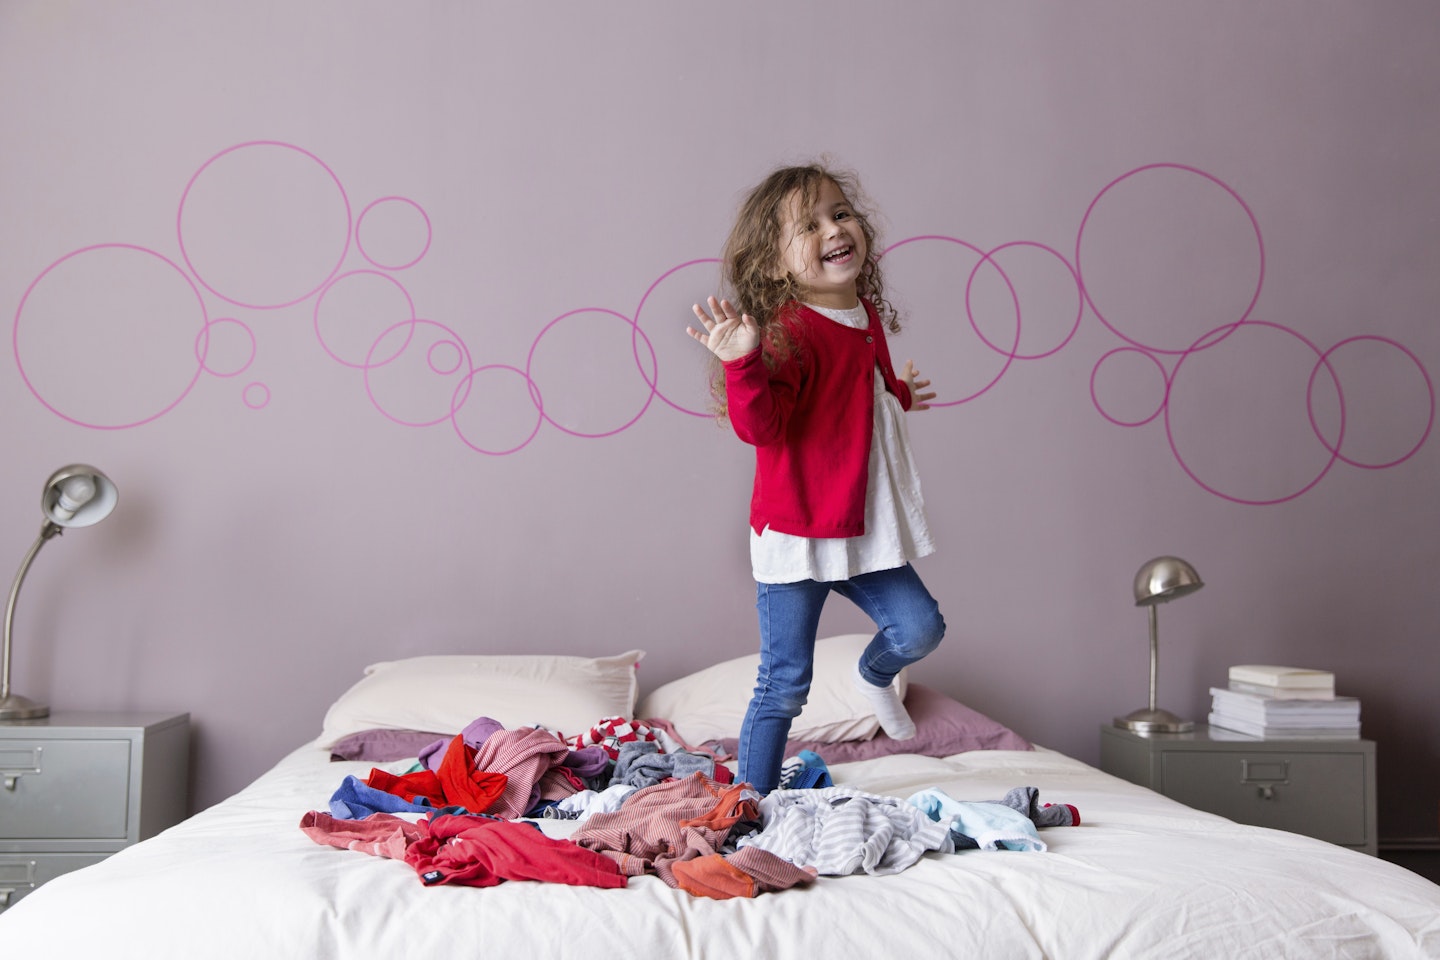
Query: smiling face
[823, 247]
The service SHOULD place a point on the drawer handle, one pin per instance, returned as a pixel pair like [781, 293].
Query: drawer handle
[5, 896]
[1267, 792]
[11, 779]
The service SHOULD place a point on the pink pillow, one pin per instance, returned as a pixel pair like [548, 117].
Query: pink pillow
[943, 726]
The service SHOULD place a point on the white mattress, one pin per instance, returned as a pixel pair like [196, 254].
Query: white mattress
[1142, 876]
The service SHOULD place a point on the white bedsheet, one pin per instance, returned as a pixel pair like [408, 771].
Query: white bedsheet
[1142, 876]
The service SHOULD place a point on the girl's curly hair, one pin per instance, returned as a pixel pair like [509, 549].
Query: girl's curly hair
[751, 259]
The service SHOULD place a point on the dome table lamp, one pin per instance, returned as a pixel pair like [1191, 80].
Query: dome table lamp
[74, 496]
[1159, 581]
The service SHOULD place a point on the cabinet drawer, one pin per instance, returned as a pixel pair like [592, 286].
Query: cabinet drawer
[1317, 794]
[64, 789]
[21, 873]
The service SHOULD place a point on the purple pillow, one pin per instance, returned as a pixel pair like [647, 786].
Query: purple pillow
[943, 725]
[381, 745]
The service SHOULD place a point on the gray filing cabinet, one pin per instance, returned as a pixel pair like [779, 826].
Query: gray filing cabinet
[77, 787]
[1321, 788]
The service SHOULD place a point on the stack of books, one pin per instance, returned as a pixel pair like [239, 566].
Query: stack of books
[1284, 703]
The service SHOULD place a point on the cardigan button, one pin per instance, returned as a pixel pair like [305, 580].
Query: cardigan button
[869, 339]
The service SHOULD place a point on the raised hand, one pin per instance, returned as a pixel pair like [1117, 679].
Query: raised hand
[728, 334]
[911, 376]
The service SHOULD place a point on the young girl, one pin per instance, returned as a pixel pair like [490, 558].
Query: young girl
[804, 375]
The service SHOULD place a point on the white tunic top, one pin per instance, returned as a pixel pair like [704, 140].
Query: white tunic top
[895, 527]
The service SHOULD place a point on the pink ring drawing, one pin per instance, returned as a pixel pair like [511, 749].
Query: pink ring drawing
[1334, 455]
[19, 362]
[635, 337]
[457, 401]
[530, 361]
[412, 324]
[256, 395]
[202, 347]
[315, 317]
[360, 222]
[180, 224]
[1079, 296]
[1310, 404]
[1228, 328]
[1014, 299]
[1164, 377]
[444, 367]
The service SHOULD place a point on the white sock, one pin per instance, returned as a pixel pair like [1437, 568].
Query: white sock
[889, 708]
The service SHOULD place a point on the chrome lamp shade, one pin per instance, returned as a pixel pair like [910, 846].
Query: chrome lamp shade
[1159, 581]
[77, 495]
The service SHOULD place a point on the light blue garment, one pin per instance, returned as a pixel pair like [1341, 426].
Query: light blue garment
[985, 824]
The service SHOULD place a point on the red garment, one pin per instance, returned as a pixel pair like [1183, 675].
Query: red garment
[481, 852]
[379, 835]
[811, 420]
[456, 784]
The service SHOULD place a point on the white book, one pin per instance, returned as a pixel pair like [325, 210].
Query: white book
[1277, 676]
[1284, 693]
[1242, 704]
[1270, 732]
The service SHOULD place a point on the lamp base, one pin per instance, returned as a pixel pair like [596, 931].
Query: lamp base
[1146, 720]
[16, 707]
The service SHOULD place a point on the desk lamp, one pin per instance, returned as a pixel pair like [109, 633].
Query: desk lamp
[1159, 581]
[74, 496]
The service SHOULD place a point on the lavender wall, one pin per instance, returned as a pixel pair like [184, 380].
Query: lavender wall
[295, 275]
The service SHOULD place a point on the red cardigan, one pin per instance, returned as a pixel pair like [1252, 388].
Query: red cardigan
[811, 420]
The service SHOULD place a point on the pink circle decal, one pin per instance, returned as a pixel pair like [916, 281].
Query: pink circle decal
[590, 372]
[669, 300]
[1373, 412]
[1170, 250]
[218, 338]
[81, 361]
[480, 400]
[1125, 386]
[393, 233]
[354, 310]
[1251, 418]
[929, 305]
[445, 357]
[417, 394]
[256, 396]
[1042, 291]
[264, 224]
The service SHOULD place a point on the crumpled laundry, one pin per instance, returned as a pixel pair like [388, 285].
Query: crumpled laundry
[641, 764]
[1007, 824]
[841, 830]
[483, 851]
[679, 822]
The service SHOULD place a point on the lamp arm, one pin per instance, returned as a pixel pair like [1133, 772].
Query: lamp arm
[1154, 653]
[48, 531]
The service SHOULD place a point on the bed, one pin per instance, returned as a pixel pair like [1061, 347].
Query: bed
[1138, 875]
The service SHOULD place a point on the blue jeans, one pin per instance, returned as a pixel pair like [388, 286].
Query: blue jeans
[910, 627]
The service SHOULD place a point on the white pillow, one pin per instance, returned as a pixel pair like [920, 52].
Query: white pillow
[443, 694]
[710, 704]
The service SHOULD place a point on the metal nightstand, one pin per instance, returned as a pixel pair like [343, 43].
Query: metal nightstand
[77, 787]
[1321, 788]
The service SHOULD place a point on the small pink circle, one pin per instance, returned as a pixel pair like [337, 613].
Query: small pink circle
[1209, 339]
[1159, 404]
[990, 259]
[444, 357]
[636, 332]
[203, 346]
[462, 395]
[1335, 449]
[256, 395]
[412, 327]
[1014, 299]
[339, 287]
[391, 204]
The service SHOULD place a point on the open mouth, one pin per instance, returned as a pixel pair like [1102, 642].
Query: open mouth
[838, 256]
